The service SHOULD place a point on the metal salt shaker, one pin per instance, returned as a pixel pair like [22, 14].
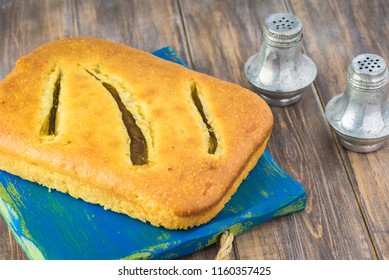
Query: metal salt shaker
[360, 115]
[280, 71]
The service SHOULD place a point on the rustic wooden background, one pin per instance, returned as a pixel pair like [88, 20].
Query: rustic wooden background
[348, 193]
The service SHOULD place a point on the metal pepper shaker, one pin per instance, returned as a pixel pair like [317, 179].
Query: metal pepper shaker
[280, 71]
[360, 115]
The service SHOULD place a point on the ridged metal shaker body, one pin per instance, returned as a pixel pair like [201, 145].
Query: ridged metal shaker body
[280, 71]
[360, 115]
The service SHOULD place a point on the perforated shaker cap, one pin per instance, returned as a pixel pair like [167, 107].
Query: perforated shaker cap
[367, 72]
[282, 30]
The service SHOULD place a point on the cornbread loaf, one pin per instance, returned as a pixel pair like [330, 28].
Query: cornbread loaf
[132, 132]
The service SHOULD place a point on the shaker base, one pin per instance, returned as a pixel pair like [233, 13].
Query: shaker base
[360, 148]
[280, 102]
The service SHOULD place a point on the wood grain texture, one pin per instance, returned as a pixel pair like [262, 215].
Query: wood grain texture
[9, 249]
[355, 27]
[146, 25]
[24, 25]
[332, 226]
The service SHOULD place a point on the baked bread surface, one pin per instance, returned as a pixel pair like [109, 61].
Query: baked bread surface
[63, 125]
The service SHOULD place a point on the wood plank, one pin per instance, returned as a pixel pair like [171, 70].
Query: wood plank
[332, 226]
[146, 25]
[9, 249]
[353, 27]
[126, 22]
[20, 22]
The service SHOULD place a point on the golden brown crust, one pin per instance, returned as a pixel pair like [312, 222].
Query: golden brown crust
[183, 184]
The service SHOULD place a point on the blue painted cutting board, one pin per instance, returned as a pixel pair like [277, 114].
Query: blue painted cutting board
[52, 225]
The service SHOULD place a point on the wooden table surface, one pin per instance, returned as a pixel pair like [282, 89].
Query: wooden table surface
[346, 216]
